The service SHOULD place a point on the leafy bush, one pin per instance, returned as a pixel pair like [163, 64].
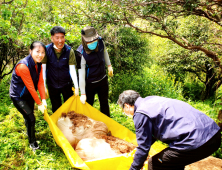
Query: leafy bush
[128, 50]
[152, 81]
[218, 153]
[5, 101]
[192, 88]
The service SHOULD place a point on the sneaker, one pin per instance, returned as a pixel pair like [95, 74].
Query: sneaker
[34, 146]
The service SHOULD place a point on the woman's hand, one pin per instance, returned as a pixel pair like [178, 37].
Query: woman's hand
[41, 107]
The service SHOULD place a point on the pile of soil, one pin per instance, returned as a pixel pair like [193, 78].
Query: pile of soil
[99, 130]
[209, 163]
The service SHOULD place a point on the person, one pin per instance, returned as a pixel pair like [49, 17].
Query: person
[59, 69]
[26, 79]
[190, 134]
[92, 57]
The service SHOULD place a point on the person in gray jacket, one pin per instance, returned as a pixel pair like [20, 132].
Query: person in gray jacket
[92, 59]
[190, 134]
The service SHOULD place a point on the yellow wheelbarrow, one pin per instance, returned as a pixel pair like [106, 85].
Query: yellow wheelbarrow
[120, 162]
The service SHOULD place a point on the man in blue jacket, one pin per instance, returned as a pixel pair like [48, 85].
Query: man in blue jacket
[190, 134]
[59, 69]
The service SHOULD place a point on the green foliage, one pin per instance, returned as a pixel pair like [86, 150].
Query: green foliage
[128, 51]
[218, 153]
[181, 62]
[22, 22]
[152, 81]
[5, 101]
[217, 106]
[192, 88]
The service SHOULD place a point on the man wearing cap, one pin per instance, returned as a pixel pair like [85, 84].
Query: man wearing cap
[59, 68]
[92, 57]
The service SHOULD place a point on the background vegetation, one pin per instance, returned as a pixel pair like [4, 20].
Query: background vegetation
[166, 48]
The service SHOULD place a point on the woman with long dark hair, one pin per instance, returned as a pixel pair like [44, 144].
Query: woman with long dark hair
[27, 77]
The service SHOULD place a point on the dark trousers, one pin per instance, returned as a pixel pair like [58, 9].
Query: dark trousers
[26, 108]
[172, 159]
[55, 95]
[102, 89]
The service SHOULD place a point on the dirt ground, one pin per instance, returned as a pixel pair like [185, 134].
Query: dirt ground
[100, 132]
[209, 163]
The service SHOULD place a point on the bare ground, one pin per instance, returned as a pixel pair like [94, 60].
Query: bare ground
[209, 163]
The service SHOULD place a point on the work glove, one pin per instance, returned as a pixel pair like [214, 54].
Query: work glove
[76, 92]
[46, 93]
[41, 107]
[44, 103]
[83, 98]
[110, 71]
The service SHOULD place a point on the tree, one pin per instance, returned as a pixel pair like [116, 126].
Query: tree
[22, 22]
[11, 22]
[161, 18]
[179, 61]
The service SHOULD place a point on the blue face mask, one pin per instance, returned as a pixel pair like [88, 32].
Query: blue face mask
[93, 45]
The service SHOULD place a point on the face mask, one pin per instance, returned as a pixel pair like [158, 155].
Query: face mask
[93, 45]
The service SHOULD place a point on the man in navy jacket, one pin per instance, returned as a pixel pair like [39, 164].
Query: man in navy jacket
[190, 134]
[59, 68]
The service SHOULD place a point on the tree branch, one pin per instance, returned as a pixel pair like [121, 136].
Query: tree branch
[9, 2]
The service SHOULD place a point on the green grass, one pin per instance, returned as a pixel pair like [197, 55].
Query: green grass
[15, 152]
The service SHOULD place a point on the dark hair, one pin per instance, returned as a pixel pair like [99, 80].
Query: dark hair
[128, 97]
[37, 43]
[57, 29]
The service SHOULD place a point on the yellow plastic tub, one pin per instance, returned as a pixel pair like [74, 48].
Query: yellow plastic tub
[121, 162]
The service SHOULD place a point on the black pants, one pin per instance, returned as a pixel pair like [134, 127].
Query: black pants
[102, 89]
[26, 108]
[172, 159]
[55, 95]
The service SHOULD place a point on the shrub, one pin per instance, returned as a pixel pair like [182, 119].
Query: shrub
[128, 50]
[192, 88]
[152, 81]
[5, 100]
